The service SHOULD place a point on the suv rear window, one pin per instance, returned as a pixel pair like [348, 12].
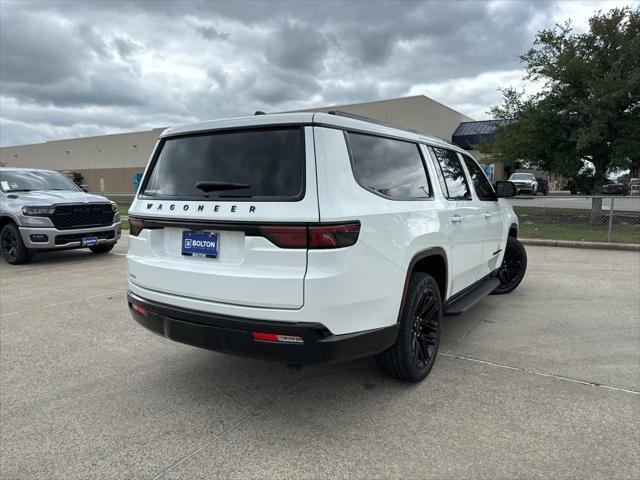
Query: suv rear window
[265, 164]
[391, 168]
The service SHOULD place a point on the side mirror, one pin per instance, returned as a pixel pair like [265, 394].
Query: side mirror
[84, 188]
[505, 189]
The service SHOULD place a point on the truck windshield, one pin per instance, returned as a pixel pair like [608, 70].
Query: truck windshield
[521, 176]
[29, 180]
[264, 164]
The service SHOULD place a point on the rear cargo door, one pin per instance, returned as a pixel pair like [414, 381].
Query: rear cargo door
[205, 203]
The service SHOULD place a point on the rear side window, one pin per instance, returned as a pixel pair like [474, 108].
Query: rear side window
[253, 164]
[391, 168]
[455, 182]
[483, 188]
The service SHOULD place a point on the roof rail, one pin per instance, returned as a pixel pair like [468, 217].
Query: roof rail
[340, 113]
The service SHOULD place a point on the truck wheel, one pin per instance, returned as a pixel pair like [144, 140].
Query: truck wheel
[12, 247]
[513, 268]
[103, 248]
[412, 356]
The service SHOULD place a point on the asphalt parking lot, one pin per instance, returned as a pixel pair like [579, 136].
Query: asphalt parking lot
[541, 383]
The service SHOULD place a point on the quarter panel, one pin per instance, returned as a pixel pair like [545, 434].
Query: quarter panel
[393, 231]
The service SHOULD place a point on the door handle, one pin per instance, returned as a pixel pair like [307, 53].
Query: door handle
[487, 215]
[456, 219]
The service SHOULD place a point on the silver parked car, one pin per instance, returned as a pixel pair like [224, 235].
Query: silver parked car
[44, 210]
[525, 182]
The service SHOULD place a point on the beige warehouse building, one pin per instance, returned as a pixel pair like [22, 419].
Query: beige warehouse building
[110, 163]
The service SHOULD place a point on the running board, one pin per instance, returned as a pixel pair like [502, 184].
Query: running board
[473, 296]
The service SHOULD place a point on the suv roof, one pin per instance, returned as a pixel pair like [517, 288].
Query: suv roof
[338, 119]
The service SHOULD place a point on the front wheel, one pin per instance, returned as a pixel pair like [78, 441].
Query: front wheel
[513, 268]
[413, 355]
[12, 247]
[103, 248]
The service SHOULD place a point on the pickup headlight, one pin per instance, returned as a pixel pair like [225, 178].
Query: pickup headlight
[38, 211]
[116, 212]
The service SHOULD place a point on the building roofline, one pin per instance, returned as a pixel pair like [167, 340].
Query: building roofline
[133, 132]
[347, 105]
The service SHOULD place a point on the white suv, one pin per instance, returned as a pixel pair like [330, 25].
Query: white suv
[313, 237]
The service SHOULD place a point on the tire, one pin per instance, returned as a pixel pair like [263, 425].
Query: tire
[103, 248]
[413, 355]
[12, 247]
[513, 268]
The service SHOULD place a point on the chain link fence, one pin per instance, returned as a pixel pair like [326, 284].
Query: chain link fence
[553, 217]
[579, 218]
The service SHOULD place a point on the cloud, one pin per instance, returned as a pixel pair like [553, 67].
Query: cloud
[84, 67]
[297, 47]
[126, 47]
[211, 33]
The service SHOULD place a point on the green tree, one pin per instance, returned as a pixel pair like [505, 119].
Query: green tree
[589, 105]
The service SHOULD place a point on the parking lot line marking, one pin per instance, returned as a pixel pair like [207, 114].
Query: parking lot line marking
[252, 415]
[541, 374]
[461, 339]
[202, 447]
[61, 303]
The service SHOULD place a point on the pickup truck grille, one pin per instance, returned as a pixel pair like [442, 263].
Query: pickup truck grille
[67, 217]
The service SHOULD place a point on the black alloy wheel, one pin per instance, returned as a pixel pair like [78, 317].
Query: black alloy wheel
[513, 268]
[425, 330]
[9, 244]
[413, 355]
[12, 248]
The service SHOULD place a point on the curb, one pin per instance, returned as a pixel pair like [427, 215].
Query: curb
[574, 244]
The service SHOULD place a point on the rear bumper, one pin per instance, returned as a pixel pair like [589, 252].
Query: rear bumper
[234, 335]
[64, 239]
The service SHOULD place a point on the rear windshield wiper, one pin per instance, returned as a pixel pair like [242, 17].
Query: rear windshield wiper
[217, 186]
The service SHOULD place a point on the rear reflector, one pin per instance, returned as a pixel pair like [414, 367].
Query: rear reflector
[276, 337]
[138, 309]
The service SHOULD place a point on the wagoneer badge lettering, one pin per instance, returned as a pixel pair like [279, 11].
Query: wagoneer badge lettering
[202, 208]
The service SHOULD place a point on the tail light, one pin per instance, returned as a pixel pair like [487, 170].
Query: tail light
[135, 226]
[286, 237]
[313, 236]
[333, 236]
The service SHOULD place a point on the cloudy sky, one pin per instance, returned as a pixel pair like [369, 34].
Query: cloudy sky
[70, 69]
